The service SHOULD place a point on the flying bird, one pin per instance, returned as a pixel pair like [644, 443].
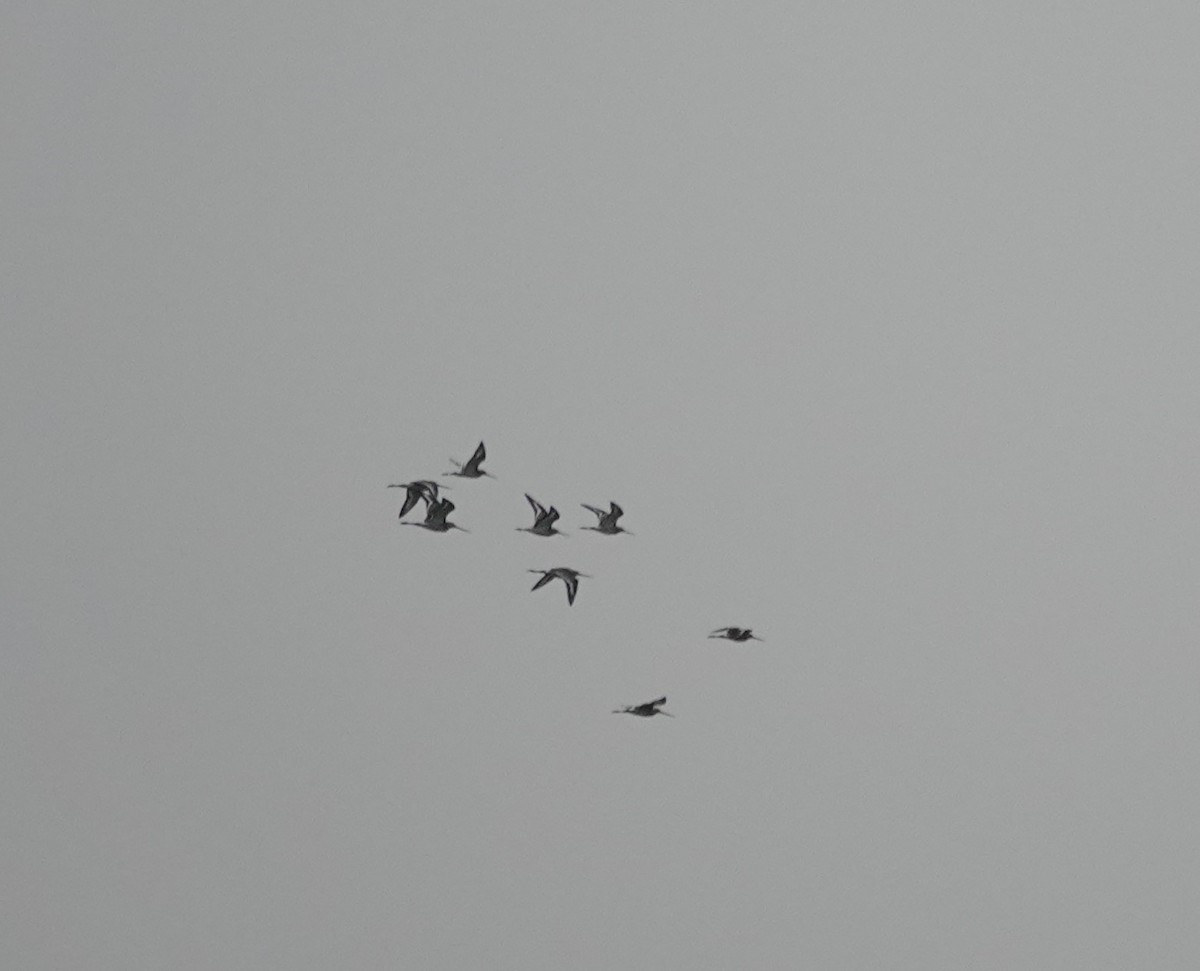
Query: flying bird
[734, 634]
[645, 710]
[471, 470]
[608, 520]
[425, 489]
[543, 520]
[435, 517]
[568, 576]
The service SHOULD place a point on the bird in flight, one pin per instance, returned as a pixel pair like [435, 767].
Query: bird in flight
[734, 634]
[543, 520]
[647, 709]
[425, 489]
[568, 576]
[471, 469]
[608, 520]
[435, 517]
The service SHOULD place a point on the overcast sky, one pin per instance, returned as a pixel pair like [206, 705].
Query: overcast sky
[878, 319]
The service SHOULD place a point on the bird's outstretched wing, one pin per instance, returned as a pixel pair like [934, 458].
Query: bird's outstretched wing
[410, 499]
[479, 455]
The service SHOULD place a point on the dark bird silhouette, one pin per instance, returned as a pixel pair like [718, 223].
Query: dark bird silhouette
[734, 634]
[471, 470]
[423, 489]
[608, 520]
[568, 576]
[435, 517]
[647, 709]
[543, 520]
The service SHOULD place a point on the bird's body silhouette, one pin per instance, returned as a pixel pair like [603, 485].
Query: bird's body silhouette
[471, 469]
[734, 634]
[419, 489]
[435, 517]
[608, 520]
[647, 709]
[543, 520]
[568, 576]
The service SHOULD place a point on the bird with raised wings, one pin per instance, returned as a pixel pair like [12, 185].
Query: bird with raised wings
[435, 518]
[607, 520]
[543, 520]
[471, 469]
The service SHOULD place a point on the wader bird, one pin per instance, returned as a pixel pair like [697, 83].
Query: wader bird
[608, 520]
[734, 634]
[425, 489]
[647, 710]
[471, 470]
[543, 520]
[568, 576]
[435, 517]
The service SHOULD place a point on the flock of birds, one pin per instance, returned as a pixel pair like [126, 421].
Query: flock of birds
[437, 509]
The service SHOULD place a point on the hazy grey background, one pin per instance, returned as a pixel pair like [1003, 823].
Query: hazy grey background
[879, 319]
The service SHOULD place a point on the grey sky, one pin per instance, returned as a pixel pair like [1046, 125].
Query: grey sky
[878, 319]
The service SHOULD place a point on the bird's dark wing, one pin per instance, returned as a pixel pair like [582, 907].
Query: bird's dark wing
[593, 509]
[438, 511]
[551, 516]
[616, 512]
[657, 702]
[410, 500]
[572, 587]
[546, 578]
[479, 456]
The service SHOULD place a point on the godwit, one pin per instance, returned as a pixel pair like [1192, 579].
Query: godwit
[543, 520]
[472, 470]
[734, 634]
[608, 520]
[568, 576]
[435, 517]
[425, 489]
[645, 710]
